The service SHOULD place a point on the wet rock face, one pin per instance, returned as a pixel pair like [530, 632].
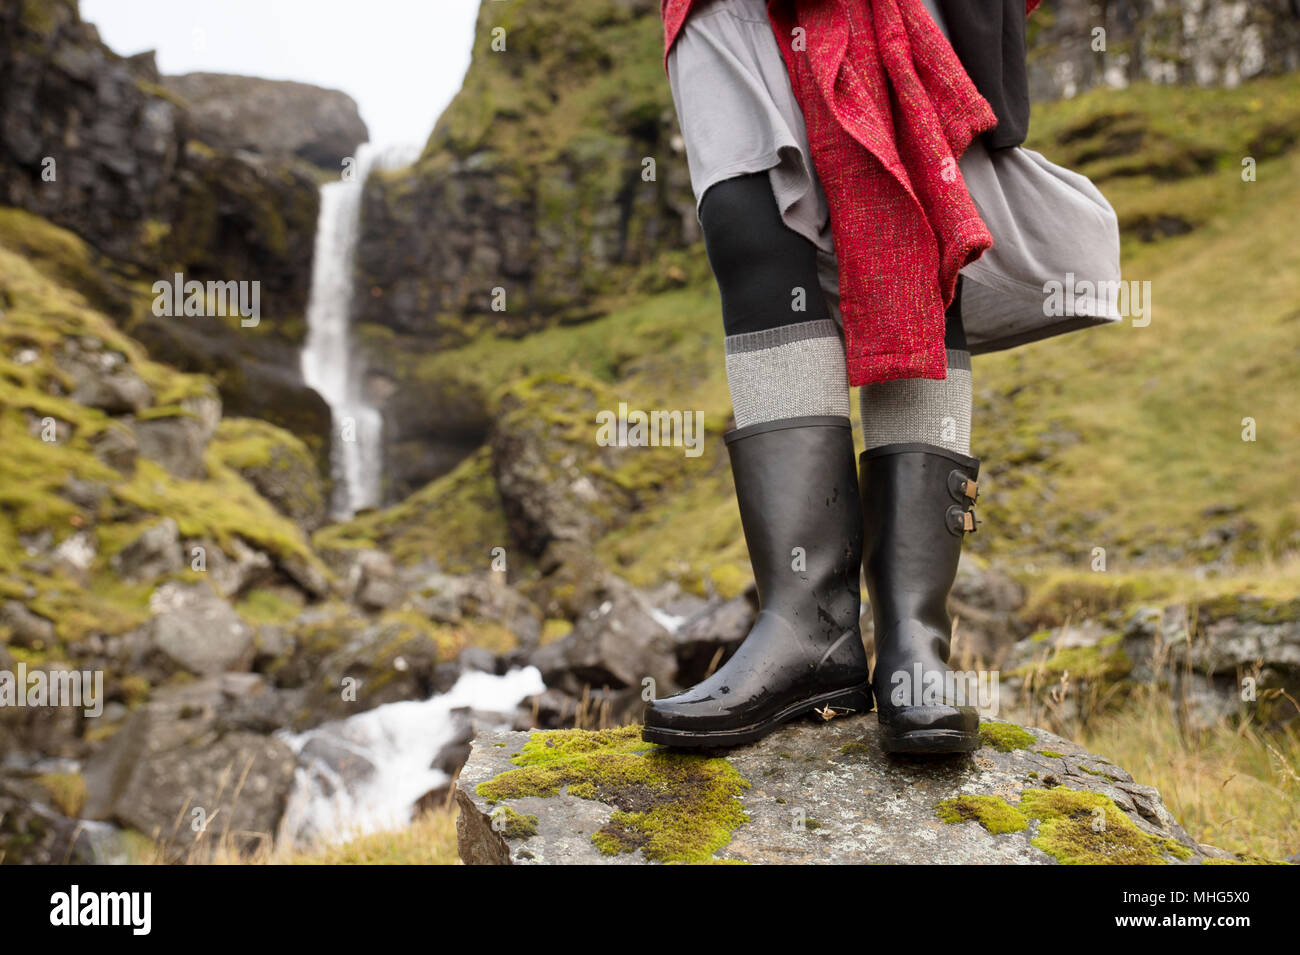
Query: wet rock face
[815, 793]
[272, 117]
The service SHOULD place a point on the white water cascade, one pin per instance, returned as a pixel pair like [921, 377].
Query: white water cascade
[329, 362]
[365, 773]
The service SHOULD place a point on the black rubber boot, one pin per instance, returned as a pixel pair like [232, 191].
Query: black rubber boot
[916, 501]
[797, 489]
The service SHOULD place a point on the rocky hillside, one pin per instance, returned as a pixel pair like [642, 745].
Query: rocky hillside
[556, 176]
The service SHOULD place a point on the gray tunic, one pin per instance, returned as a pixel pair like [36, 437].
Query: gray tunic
[1050, 226]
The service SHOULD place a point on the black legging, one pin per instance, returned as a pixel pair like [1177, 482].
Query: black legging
[759, 261]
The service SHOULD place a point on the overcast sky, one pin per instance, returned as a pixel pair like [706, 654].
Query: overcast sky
[401, 60]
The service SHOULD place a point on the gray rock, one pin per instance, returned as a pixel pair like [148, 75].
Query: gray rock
[33, 833]
[1224, 659]
[984, 602]
[174, 757]
[117, 392]
[373, 581]
[706, 640]
[447, 598]
[176, 442]
[306, 573]
[75, 554]
[1208, 653]
[856, 805]
[155, 553]
[477, 658]
[197, 630]
[1205, 43]
[272, 117]
[26, 629]
[232, 573]
[616, 645]
[85, 494]
[118, 447]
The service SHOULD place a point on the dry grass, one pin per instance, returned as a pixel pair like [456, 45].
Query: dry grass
[429, 840]
[1235, 785]
[1237, 788]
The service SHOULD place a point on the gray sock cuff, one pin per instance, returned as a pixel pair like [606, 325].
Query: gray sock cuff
[929, 411]
[781, 335]
[787, 372]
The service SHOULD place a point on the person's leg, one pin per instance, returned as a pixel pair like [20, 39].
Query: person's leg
[785, 355]
[918, 484]
[796, 485]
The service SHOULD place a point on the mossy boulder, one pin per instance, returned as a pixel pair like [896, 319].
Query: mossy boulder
[277, 464]
[812, 792]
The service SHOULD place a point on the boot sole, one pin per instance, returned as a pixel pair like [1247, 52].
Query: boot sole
[930, 741]
[857, 700]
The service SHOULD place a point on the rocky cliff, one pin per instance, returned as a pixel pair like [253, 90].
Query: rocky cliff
[1076, 45]
[554, 180]
[87, 142]
[106, 147]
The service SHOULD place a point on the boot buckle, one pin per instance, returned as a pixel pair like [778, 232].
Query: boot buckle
[962, 488]
[961, 521]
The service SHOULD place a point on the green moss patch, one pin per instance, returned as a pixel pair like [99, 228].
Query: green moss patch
[456, 518]
[513, 825]
[1005, 737]
[992, 812]
[1105, 662]
[1074, 827]
[674, 807]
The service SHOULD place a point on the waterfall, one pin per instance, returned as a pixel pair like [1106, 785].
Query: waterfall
[365, 773]
[329, 362]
